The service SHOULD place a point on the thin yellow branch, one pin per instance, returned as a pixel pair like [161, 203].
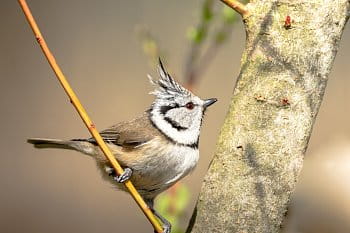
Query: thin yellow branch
[237, 6]
[84, 116]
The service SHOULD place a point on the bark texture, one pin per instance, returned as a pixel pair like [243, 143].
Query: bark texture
[261, 146]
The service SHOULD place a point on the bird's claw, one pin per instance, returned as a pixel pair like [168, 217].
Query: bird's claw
[124, 176]
[166, 224]
[166, 229]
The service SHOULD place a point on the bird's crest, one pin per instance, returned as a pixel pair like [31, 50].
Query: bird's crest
[166, 86]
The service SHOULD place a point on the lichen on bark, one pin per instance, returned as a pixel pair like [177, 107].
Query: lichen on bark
[260, 150]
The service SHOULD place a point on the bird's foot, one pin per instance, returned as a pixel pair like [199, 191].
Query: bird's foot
[166, 228]
[165, 222]
[124, 176]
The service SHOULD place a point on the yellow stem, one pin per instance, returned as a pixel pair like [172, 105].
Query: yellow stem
[237, 6]
[84, 116]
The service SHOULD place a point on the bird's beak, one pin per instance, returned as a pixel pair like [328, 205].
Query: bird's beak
[209, 102]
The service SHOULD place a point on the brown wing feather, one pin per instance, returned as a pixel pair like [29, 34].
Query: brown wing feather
[129, 134]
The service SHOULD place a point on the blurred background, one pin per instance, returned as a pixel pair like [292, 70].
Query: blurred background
[105, 49]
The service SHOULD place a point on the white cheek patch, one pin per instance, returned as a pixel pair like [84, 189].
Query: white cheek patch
[186, 137]
[180, 117]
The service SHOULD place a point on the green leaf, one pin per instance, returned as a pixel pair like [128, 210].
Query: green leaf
[163, 202]
[207, 11]
[182, 197]
[196, 35]
[171, 205]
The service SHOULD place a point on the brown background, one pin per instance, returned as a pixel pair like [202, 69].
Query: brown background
[95, 44]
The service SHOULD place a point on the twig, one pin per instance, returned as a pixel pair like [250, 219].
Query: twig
[150, 45]
[204, 62]
[197, 43]
[84, 116]
[237, 6]
[210, 53]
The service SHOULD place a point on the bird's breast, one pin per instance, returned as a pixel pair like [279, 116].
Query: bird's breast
[156, 165]
[162, 165]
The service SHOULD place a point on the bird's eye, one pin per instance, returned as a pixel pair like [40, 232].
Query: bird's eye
[190, 105]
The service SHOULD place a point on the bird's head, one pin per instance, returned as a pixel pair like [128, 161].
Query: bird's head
[176, 111]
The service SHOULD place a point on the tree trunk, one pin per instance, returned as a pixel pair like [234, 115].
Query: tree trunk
[289, 53]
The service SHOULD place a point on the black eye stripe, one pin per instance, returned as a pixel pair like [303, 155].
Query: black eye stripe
[164, 109]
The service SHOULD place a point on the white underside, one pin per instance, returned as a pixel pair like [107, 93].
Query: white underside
[160, 165]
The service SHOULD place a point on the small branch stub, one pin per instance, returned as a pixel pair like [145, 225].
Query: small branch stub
[237, 6]
[288, 22]
[38, 39]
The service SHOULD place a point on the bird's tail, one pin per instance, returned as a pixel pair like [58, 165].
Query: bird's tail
[51, 143]
[81, 145]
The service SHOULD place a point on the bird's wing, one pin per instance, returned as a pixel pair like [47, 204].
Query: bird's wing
[128, 134]
[129, 138]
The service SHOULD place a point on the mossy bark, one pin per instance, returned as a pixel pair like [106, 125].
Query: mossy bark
[289, 52]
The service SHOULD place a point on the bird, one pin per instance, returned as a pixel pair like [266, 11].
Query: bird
[156, 149]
